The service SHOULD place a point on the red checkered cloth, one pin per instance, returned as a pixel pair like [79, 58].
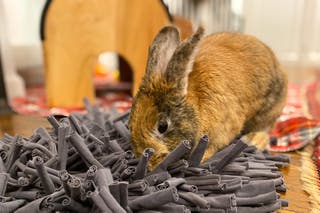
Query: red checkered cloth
[294, 133]
[293, 129]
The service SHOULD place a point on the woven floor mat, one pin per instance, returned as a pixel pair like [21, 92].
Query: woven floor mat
[310, 179]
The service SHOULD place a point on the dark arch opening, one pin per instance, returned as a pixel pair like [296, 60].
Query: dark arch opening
[112, 73]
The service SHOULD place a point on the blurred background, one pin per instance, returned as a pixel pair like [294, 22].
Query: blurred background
[289, 27]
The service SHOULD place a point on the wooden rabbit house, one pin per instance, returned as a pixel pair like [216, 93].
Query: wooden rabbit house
[75, 32]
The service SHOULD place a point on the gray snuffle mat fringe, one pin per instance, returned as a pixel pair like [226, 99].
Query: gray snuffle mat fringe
[85, 164]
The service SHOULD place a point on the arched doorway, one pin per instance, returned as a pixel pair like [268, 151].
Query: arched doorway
[112, 73]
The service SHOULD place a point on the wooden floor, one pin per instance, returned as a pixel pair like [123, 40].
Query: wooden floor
[298, 199]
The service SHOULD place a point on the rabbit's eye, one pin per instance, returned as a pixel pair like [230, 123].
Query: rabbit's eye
[163, 126]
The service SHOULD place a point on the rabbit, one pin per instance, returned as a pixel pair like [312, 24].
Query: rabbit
[223, 85]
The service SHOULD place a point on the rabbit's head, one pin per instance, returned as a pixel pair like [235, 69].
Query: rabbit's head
[161, 116]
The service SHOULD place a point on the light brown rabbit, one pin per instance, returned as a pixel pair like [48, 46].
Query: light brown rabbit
[221, 85]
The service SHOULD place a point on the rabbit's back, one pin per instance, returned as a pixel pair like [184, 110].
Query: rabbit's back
[236, 82]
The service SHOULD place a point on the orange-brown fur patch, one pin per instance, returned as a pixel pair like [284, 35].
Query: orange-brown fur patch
[227, 85]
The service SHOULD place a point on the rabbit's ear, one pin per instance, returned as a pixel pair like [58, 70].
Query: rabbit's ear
[181, 62]
[162, 48]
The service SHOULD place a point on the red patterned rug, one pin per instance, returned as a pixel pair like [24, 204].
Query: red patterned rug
[298, 125]
[35, 103]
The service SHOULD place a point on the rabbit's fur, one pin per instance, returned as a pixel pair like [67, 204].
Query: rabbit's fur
[221, 85]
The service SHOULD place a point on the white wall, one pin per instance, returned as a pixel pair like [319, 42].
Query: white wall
[290, 27]
[23, 24]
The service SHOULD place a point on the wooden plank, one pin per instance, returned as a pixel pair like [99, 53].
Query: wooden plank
[298, 199]
[21, 124]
